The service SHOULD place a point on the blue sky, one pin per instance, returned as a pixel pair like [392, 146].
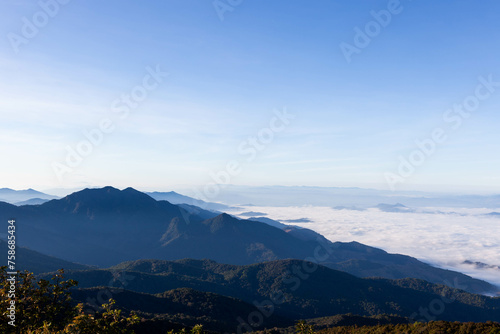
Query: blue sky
[353, 121]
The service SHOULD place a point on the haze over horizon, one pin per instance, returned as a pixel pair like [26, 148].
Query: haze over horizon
[196, 191]
[173, 93]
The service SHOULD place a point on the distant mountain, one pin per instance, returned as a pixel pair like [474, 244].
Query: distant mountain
[306, 234]
[16, 196]
[176, 198]
[481, 265]
[27, 259]
[299, 220]
[107, 226]
[268, 221]
[33, 201]
[398, 207]
[299, 290]
[352, 208]
[301, 233]
[347, 197]
[252, 214]
[493, 214]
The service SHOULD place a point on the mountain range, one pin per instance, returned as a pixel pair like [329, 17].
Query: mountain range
[103, 227]
[21, 197]
[223, 296]
[345, 197]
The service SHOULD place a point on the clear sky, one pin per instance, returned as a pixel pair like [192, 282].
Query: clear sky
[361, 91]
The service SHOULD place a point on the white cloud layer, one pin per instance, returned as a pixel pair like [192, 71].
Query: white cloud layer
[445, 238]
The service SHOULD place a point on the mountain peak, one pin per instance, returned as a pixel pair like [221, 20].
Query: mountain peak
[165, 193]
[131, 190]
[223, 218]
[104, 200]
[222, 223]
[106, 188]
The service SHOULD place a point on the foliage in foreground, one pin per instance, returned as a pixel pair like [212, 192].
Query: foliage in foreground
[434, 327]
[45, 307]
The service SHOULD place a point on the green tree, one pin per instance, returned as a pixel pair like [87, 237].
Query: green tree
[111, 321]
[303, 327]
[45, 307]
[36, 302]
[198, 329]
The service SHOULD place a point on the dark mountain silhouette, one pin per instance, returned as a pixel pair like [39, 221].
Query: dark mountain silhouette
[107, 226]
[366, 261]
[268, 221]
[251, 242]
[230, 240]
[27, 259]
[95, 226]
[204, 214]
[185, 306]
[297, 289]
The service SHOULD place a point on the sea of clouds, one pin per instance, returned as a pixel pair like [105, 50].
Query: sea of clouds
[443, 237]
